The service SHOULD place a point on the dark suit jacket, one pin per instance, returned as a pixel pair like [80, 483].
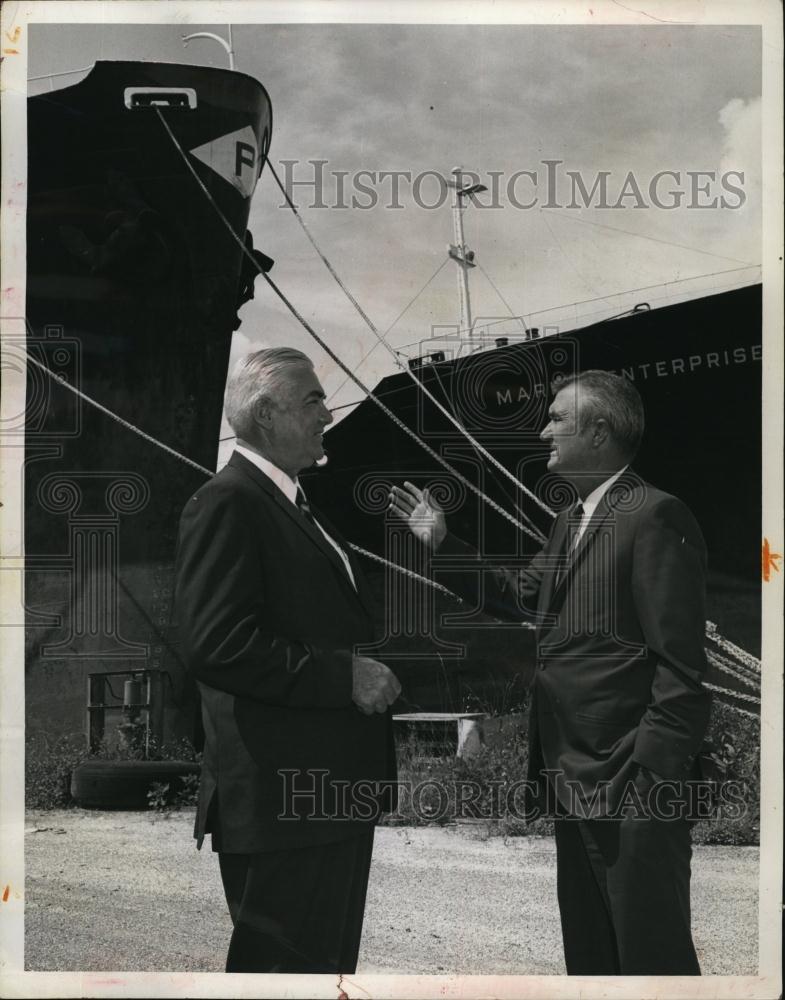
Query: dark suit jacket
[620, 643]
[268, 619]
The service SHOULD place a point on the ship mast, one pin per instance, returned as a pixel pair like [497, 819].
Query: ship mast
[458, 250]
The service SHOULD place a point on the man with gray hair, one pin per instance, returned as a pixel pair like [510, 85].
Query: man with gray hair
[272, 607]
[618, 709]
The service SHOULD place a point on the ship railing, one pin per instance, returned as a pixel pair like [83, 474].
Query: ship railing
[53, 76]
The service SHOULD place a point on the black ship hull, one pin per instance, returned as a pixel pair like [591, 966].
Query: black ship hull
[133, 286]
[697, 365]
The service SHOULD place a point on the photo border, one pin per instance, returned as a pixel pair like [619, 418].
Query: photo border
[14, 981]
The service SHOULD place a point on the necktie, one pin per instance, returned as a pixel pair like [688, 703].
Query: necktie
[571, 536]
[574, 528]
[304, 507]
[305, 510]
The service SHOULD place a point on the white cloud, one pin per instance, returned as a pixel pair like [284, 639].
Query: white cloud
[741, 146]
[241, 344]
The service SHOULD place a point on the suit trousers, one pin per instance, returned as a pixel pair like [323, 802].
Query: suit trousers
[624, 896]
[299, 910]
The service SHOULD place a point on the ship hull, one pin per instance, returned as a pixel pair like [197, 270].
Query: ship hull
[697, 366]
[132, 293]
[133, 285]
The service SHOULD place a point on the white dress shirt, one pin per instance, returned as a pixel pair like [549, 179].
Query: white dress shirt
[289, 488]
[591, 503]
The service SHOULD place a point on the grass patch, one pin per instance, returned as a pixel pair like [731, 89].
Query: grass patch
[439, 788]
[49, 765]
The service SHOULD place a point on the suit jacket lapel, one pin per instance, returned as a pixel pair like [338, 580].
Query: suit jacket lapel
[618, 492]
[293, 512]
[363, 590]
[557, 546]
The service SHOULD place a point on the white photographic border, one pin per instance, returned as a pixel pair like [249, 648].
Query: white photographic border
[16, 18]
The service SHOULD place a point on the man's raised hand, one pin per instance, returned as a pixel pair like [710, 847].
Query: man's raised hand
[374, 686]
[423, 517]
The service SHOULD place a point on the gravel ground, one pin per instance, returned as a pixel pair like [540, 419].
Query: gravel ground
[127, 891]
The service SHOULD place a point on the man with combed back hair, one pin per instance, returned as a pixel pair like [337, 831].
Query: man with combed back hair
[618, 709]
[271, 606]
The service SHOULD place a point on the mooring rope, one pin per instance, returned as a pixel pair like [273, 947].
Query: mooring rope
[536, 535]
[711, 629]
[396, 358]
[114, 416]
[741, 654]
[733, 669]
[746, 660]
[731, 694]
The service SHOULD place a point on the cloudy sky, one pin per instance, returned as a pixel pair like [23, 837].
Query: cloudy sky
[490, 98]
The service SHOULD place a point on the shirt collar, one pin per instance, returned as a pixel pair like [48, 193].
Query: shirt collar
[592, 500]
[282, 480]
